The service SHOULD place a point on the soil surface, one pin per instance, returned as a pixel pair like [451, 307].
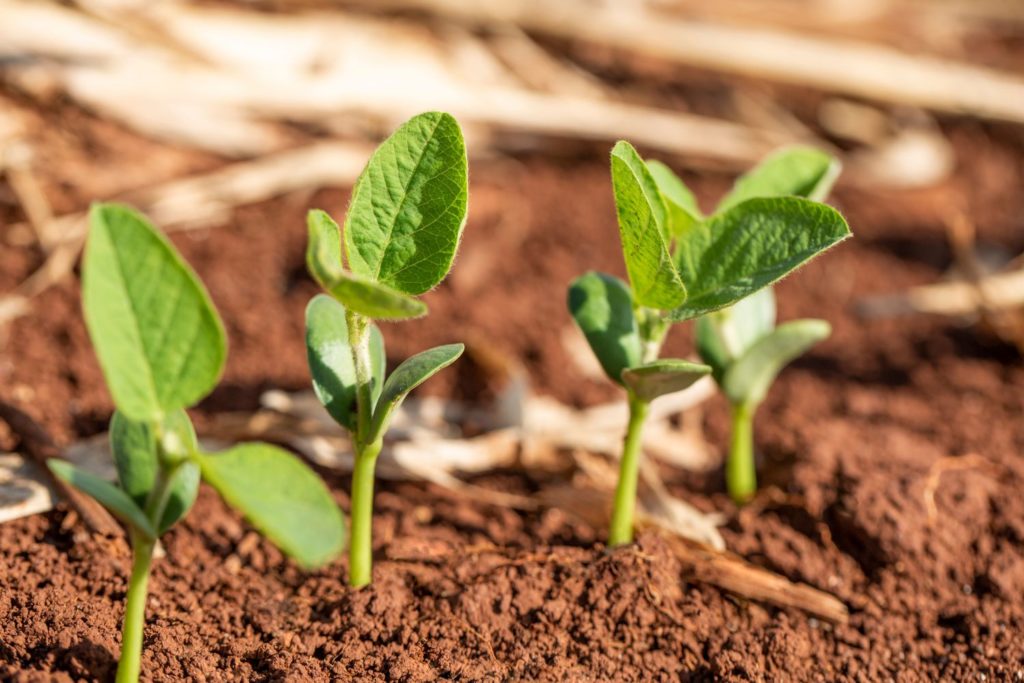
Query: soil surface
[891, 464]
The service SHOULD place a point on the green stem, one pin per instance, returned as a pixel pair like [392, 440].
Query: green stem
[135, 609]
[360, 549]
[359, 341]
[740, 471]
[621, 531]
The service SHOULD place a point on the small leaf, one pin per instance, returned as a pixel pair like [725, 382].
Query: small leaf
[724, 335]
[406, 377]
[184, 489]
[749, 378]
[330, 359]
[409, 206]
[602, 307]
[665, 376]
[642, 226]
[750, 246]
[282, 497]
[683, 212]
[133, 445]
[369, 298]
[792, 171]
[110, 496]
[159, 340]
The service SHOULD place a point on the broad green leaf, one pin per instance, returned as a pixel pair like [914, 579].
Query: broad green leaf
[406, 377]
[372, 299]
[750, 377]
[724, 335]
[330, 359]
[732, 255]
[282, 497]
[408, 207]
[184, 489]
[110, 496]
[792, 171]
[683, 212]
[159, 340]
[665, 376]
[642, 226]
[602, 307]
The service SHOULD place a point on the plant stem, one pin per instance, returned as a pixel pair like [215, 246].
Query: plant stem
[135, 609]
[360, 549]
[740, 471]
[621, 531]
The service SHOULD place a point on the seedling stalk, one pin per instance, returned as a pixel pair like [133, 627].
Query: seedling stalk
[621, 530]
[740, 471]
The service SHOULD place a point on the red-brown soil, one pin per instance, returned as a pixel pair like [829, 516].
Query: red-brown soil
[851, 436]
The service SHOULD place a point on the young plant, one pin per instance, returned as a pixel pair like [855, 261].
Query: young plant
[161, 346]
[403, 226]
[741, 343]
[681, 265]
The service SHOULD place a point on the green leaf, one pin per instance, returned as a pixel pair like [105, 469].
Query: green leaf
[114, 499]
[159, 340]
[642, 226]
[792, 171]
[602, 307]
[665, 376]
[282, 497]
[364, 296]
[409, 206]
[683, 212]
[133, 445]
[749, 378]
[330, 359]
[184, 489]
[406, 377]
[724, 335]
[750, 246]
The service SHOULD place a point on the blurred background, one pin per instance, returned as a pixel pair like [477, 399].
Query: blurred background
[224, 121]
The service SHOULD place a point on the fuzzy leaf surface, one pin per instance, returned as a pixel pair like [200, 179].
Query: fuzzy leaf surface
[410, 374]
[602, 307]
[683, 212]
[280, 496]
[661, 377]
[643, 219]
[110, 496]
[159, 340]
[793, 171]
[330, 359]
[749, 378]
[408, 207]
[732, 255]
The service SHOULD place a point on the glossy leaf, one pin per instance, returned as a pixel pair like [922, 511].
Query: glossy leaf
[110, 496]
[159, 340]
[409, 206]
[749, 378]
[643, 228]
[792, 171]
[184, 489]
[406, 377]
[330, 359]
[665, 376]
[359, 294]
[683, 212]
[280, 496]
[602, 307]
[724, 335]
[752, 245]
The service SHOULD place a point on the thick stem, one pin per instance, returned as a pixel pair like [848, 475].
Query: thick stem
[135, 610]
[740, 471]
[360, 550]
[621, 531]
[359, 341]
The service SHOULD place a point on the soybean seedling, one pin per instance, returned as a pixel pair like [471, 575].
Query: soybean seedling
[741, 343]
[161, 346]
[403, 226]
[681, 265]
